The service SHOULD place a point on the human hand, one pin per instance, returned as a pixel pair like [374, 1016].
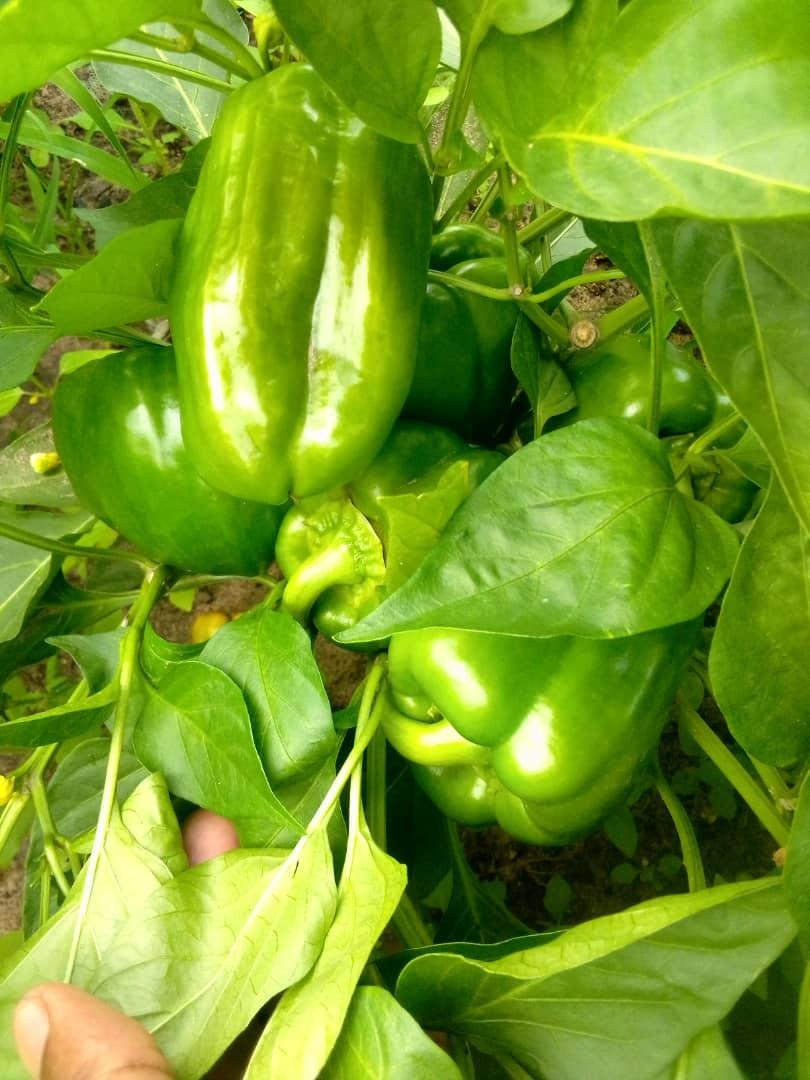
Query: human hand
[63, 1033]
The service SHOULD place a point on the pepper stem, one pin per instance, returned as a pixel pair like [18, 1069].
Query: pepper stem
[333, 565]
[437, 744]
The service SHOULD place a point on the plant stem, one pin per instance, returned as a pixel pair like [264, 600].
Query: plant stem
[239, 51]
[18, 109]
[657, 336]
[409, 925]
[513, 273]
[736, 773]
[127, 673]
[572, 282]
[773, 781]
[376, 788]
[367, 721]
[460, 202]
[465, 285]
[803, 1028]
[162, 67]
[487, 200]
[622, 318]
[543, 225]
[459, 99]
[61, 547]
[333, 565]
[704, 441]
[686, 833]
[554, 330]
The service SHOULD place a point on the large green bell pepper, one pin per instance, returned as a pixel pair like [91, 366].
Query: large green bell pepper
[542, 736]
[614, 380]
[343, 552]
[301, 274]
[463, 376]
[116, 422]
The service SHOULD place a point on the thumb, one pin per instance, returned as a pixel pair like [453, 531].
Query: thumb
[63, 1033]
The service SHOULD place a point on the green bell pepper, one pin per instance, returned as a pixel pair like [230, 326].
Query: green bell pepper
[116, 423]
[614, 380]
[343, 552]
[459, 243]
[463, 376]
[542, 736]
[300, 279]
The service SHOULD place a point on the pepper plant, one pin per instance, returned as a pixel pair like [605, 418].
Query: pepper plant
[339, 351]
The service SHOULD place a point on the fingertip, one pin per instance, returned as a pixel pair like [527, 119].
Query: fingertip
[206, 835]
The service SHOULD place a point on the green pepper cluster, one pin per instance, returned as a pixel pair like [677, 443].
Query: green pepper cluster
[325, 404]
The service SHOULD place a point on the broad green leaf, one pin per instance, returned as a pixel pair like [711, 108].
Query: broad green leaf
[38, 134]
[97, 655]
[60, 723]
[797, 867]
[132, 867]
[269, 657]
[9, 399]
[757, 662]
[20, 484]
[307, 1021]
[541, 375]
[195, 730]
[62, 33]
[63, 609]
[128, 282]
[159, 655]
[475, 912]
[163, 200]
[189, 106]
[381, 1039]
[676, 113]
[707, 1057]
[380, 59]
[580, 532]
[619, 996]
[749, 456]
[23, 339]
[24, 570]
[74, 796]
[745, 290]
[211, 947]
[474, 18]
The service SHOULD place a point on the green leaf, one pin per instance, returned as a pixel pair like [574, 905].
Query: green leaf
[9, 399]
[707, 1057]
[158, 655]
[38, 134]
[745, 290]
[675, 109]
[37, 37]
[749, 456]
[557, 897]
[269, 657]
[74, 796]
[307, 1021]
[797, 867]
[380, 1039]
[541, 375]
[188, 106]
[195, 730]
[97, 655]
[24, 570]
[621, 830]
[128, 282]
[622, 243]
[475, 912]
[63, 609]
[163, 200]
[757, 663]
[474, 18]
[218, 942]
[580, 532]
[60, 723]
[380, 59]
[133, 867]
[22, 485]
[620, 996]
[23, 340]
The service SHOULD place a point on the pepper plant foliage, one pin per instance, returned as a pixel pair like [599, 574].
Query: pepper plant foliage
[607, 529]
